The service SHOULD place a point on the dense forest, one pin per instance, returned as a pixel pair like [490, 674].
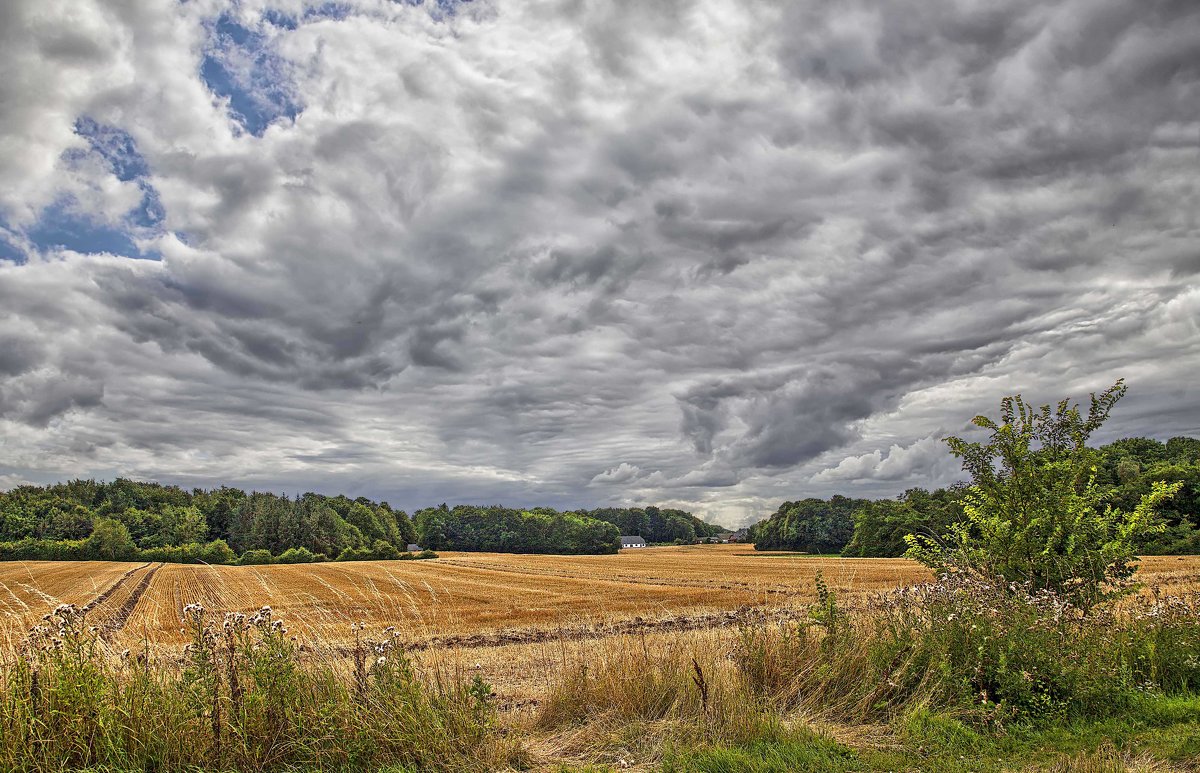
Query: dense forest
[128, 520]
[1125, 470]
[665, 526]
[542, 530]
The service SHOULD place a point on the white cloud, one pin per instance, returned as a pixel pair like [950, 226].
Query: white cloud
[923, 460]
[622, 473]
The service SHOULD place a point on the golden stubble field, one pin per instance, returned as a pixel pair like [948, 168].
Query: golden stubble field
[510, 616]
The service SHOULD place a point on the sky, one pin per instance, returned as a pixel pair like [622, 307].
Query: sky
[709, 254]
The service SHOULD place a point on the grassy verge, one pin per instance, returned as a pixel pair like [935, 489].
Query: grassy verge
[1159, 733]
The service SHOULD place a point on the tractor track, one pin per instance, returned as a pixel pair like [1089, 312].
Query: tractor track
[703, 621]
[107, 593]
[122, 615]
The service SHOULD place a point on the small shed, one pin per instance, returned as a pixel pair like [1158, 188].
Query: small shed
[632, 542]
[414, 548]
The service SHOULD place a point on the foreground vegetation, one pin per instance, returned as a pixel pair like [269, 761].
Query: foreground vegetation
[942, 676]
[945, 676]
[242, 697]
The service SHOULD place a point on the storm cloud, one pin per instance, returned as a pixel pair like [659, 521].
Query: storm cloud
[701, 253]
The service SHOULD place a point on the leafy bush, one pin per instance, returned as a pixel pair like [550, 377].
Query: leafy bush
[1034, 514]
[30, 549]
[355, 554]
[384, 551]
[215, 552]
[253, 557]
[299, 556]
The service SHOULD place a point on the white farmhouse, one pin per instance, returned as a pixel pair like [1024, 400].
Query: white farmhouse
[632, 542]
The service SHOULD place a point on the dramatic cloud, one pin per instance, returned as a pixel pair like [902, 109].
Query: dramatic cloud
[703, 253]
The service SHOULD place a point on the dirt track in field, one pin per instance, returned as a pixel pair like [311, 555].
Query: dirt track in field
[118, 618]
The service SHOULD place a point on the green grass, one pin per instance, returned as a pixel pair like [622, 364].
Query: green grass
[1158, 729]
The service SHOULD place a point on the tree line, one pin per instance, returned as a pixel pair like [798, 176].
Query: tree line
[499, 529]
[1123, 472]
[132, 520]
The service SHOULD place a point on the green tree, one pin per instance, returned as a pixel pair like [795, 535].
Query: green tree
[1034, 513]
[811, 525]
[110, 541]
[880, 528]
[179, 526]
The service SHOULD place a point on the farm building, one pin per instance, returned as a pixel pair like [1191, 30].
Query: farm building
[414, 548]
[632, 542]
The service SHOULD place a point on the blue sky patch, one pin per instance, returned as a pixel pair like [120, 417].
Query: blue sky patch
[439, 9]
[290, 21]
[9, 250]
[119, 150]
[115, 146]
[277, 18]
[328, 11]
[241, 66]
[62, 226]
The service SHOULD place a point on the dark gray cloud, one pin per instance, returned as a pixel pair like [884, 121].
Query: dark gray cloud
[706, 253]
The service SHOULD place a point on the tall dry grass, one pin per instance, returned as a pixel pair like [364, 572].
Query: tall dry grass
[241, 698]
[989, 656]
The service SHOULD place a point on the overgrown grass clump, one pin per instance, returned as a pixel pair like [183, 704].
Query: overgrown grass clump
[243, 698]
[991, 652]
[959, 653]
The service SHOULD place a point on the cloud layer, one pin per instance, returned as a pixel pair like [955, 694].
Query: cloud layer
[706, 253]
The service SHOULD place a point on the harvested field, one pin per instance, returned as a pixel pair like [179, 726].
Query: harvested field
[451, 599]
[502, 613]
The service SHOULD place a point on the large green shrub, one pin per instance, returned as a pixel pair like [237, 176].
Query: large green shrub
[299, 556]
[1034, 514]
[256, 557]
